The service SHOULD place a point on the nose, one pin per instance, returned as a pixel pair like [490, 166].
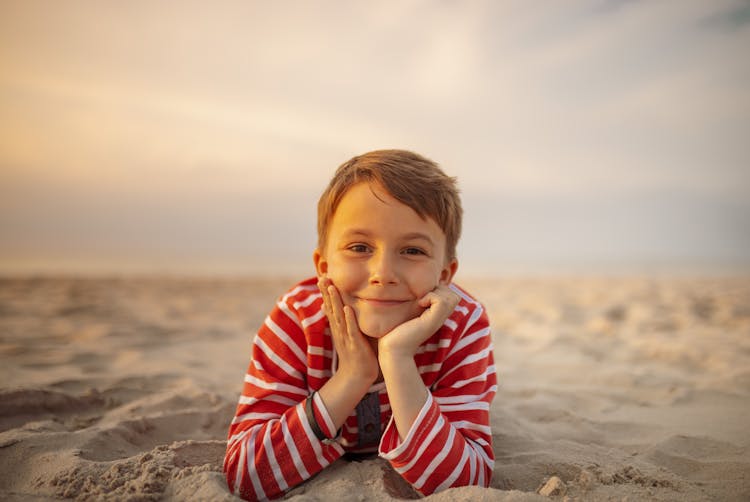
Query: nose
[383, 269]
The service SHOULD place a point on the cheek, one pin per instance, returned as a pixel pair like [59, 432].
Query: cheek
[424, 282]
[344, 275]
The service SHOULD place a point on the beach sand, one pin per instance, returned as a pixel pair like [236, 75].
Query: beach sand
[619, 388]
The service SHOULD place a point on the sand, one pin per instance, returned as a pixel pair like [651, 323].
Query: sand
[618, 388]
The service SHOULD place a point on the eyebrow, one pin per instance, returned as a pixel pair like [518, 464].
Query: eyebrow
[418, 235]
[409, 236]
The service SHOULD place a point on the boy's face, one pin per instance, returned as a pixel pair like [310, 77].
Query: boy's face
[382, 257]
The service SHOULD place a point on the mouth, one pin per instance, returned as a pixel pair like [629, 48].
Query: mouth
[379, 302]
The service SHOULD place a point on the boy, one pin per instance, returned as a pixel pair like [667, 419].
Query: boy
[380, 352]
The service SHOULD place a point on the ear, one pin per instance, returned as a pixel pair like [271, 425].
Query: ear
[321, 264]
[446, 275]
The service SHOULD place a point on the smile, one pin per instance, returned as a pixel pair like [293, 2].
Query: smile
[382, 303]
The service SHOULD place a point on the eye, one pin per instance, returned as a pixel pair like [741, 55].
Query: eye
[414, 251]
[358, 248]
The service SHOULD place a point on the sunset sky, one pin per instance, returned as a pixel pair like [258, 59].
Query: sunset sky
[196, 137]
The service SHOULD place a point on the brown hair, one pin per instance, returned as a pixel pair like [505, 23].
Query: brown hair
[409, 178]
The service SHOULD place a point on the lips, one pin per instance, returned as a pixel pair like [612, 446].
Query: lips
[382, 302]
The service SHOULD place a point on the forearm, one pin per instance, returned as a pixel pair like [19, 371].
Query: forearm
[406, 390]
[265, 458]
[340, 395]
[440, 435]
[439, 452]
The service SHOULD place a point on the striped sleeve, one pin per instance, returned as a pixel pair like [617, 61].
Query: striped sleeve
[450, 442]
[271, 446]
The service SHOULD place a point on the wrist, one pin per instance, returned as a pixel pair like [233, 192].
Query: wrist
[357, 381]
[327, 435]
[394, 357]
[396, 348]
[357, 377]
[340, 396]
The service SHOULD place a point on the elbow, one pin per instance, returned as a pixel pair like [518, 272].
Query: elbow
[230, 467]
[487, 479]
[230, 481]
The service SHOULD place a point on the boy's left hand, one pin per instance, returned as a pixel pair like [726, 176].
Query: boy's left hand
[405, 339]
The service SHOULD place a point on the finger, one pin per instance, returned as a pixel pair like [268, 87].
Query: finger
[337, 306]
[338, 331]
[438, 306]
[428, 299]
[352, 327]
[444, 294]
[323, 287]
[454, 300]
[451, 298]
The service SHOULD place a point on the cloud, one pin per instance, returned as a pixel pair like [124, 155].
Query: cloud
[112, 105]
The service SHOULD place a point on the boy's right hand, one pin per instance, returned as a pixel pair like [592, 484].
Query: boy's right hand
[357, 364]
[356, 358]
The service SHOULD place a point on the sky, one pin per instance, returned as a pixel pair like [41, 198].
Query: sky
[195, 137]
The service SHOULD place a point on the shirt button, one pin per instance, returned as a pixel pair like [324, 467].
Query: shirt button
[369, 428]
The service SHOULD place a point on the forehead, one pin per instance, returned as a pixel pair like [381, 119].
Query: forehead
[370, 206]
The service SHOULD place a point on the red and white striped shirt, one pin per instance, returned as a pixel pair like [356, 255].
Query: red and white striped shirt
[272, 448]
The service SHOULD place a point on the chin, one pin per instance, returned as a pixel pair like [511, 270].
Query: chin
[376, 328]
[376, 323]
